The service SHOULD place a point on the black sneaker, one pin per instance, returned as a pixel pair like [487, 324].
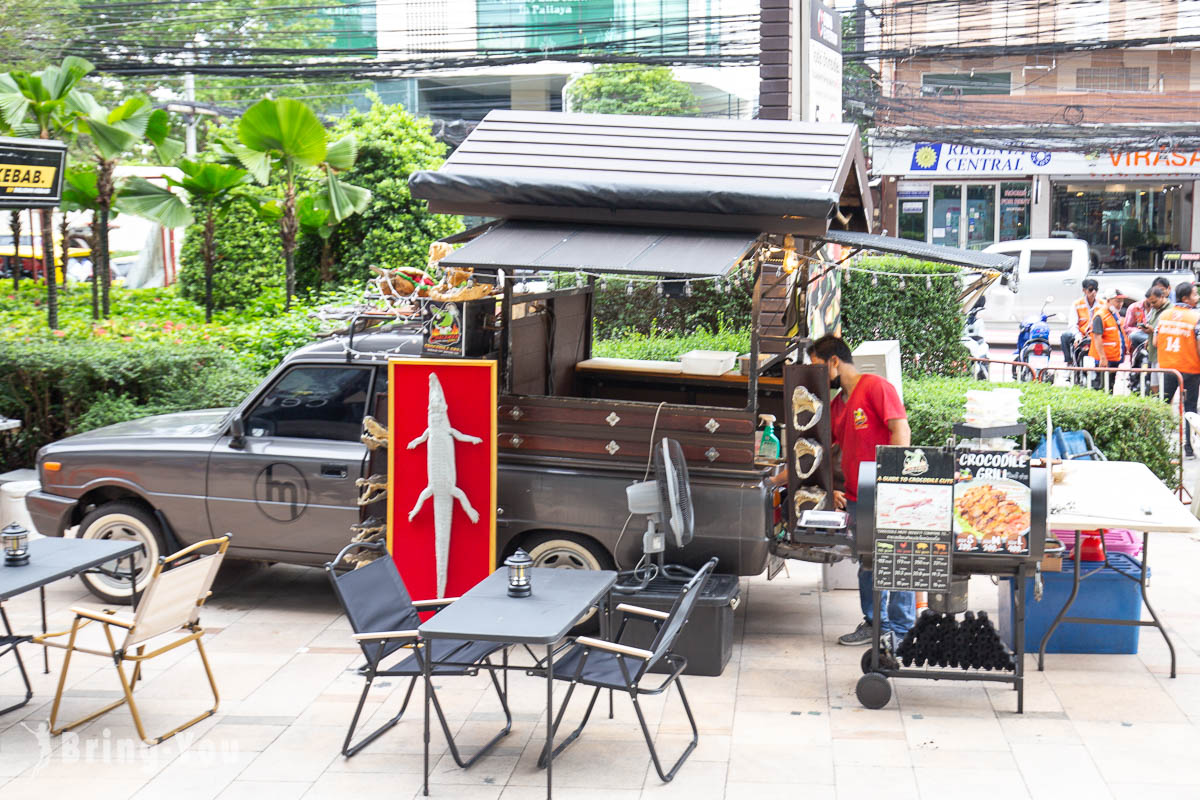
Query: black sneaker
[859, 636]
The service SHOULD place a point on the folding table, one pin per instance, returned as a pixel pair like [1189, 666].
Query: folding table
[51, 559]
[486, 613]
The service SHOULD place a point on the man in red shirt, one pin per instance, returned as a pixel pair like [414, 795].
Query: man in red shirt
[868, 413]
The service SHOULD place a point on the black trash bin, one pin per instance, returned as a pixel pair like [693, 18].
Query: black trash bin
[707, 640]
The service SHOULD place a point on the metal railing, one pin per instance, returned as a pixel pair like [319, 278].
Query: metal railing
[1011, 370]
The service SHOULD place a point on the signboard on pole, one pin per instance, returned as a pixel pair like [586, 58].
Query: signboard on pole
[31, 172]
[821, 63]
[441, 486]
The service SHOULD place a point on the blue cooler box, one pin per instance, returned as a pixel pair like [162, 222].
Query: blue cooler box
[1105, 594]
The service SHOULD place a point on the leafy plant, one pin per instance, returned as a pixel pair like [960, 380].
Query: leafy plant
[285, 135]
[632, 89]
[248, 259]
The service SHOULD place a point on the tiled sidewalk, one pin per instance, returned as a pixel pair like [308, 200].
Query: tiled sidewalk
[782, 722]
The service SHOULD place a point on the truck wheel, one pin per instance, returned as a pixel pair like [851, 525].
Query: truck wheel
[569, 551]
[122, 521]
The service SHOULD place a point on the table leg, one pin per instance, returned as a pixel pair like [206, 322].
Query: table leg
[1153, 615]
[427, 670]
[549, 720]
[45, 650]
[133, 592]
[876, 626]
[1066, 607]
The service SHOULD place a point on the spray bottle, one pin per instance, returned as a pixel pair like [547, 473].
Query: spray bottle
[768, 441]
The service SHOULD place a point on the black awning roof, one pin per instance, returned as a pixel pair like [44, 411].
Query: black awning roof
[672, 252]
[687, 172]
[974, 259]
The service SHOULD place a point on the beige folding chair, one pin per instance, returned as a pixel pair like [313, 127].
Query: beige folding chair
[170, 604]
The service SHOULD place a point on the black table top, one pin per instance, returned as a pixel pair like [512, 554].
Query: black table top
[560, 597]
[53, 558]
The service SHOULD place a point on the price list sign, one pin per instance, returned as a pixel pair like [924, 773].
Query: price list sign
[914, 513]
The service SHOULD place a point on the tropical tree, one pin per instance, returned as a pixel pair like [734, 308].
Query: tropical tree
[285, 135]
[81, 193]
[110, 135]
[37, 105]
[632, 89]
[211, 189]
[14, 225]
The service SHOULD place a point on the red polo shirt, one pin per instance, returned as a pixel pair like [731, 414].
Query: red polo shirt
[860, 424]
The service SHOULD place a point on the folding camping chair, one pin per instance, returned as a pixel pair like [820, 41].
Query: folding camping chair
[8, 644]
[178, 587]
[611, 665]
[385, 620]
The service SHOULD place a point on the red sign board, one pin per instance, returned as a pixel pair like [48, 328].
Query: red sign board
[442, 473]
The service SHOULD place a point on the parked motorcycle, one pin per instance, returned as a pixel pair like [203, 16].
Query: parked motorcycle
[1033, 348]
[973, 339]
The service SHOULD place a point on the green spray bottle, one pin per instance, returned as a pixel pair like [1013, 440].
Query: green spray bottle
[768, 441]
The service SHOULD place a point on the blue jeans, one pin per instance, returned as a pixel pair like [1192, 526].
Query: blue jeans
[899, 608]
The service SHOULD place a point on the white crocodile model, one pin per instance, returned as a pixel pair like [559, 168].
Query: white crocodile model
[443, 477]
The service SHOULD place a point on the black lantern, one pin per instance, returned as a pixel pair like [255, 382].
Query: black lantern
[518, 574]
[16, 545]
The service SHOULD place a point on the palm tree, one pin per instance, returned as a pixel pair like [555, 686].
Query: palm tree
[111, 134]
[286, 135]
[210, 188]
[14, 225]
[35, 104]
[80, 193]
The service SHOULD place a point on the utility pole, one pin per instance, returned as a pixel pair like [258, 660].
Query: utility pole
[189, 94]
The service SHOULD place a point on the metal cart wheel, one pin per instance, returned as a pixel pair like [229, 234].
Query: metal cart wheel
[886, 660]
[873, 690]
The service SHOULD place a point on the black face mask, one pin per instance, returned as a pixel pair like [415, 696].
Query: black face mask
[835, 383]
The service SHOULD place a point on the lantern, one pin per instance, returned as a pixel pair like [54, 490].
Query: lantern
[518, 574]
[16, 545]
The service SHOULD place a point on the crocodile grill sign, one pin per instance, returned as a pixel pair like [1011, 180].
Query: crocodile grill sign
[31, 173]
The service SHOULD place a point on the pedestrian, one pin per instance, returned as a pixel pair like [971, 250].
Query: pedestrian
[867, 414]
[1081, 313]
[1108, 344]
[1137, 329]
[1175, 339]
[1166, 286]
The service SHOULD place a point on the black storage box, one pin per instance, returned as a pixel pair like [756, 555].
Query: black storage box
[707, 639]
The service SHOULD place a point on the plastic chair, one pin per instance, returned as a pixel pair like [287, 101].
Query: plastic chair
[1071, 446]
[178, 587]
[611, 665]
[385, 620]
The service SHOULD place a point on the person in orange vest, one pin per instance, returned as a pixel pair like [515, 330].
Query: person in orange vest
[1082, 313]
[1108, 337]
[1175, 338]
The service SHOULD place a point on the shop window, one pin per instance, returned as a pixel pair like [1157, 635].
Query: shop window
[981, 216]
[913, 219]
[1049, 260]
[961, 83]
[1112, 79]
[1124, 224]
[947, 212]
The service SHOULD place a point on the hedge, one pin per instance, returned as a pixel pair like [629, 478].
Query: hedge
[249, 259]
[1125, 428]
[57, 388]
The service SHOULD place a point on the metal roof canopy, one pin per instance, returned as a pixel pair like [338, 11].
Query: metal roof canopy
[973, 259]
[670, 252]
[686, 172]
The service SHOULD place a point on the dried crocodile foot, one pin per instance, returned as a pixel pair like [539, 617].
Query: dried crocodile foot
[375, 435]
[371, 489]
[369, 526]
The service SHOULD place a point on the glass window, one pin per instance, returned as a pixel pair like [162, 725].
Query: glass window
[958, 83]
[1124, 224]
[314, 403]
[947, 209]
[1049, 260]
[981, 216]
[912, 219]
[1015, 204]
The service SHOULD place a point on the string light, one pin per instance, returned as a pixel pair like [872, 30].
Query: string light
[903, 285]
[874, 278]
[687, 289]
[928, 282]
[629, 288]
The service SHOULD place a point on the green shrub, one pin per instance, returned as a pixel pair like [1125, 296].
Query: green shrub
[926, 317]
[1125, 428]
[62, 387]
[617, 310]
[654, 346]
[396, 229]
[249, 259]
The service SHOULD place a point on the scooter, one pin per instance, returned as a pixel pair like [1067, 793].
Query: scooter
[973, 339]
[1034, 349]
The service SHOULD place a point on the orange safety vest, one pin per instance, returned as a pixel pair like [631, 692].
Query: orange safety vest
[1175, 339]
[1083, 314]
[1112, 340]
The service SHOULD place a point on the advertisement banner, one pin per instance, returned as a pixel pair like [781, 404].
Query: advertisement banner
[31, 173]
[914, 490]
[442, 473]
[992, 500]
[941, 159]
[822, 66]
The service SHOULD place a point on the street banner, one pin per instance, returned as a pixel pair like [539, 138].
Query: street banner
[442, 473]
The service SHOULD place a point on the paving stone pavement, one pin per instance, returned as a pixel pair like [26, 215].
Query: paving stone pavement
[781, 722]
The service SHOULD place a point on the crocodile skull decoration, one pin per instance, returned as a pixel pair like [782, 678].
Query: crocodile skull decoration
[439, 442]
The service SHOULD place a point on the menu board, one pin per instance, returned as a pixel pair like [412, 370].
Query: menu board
[992, 502]
[914, 498]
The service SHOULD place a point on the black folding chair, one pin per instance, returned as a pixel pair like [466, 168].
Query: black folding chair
[385, 621]
[611, 665]
[8, 644]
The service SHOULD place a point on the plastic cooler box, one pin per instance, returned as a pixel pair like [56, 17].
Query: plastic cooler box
[1104, 594]
[1116, 540]
[707, 639]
